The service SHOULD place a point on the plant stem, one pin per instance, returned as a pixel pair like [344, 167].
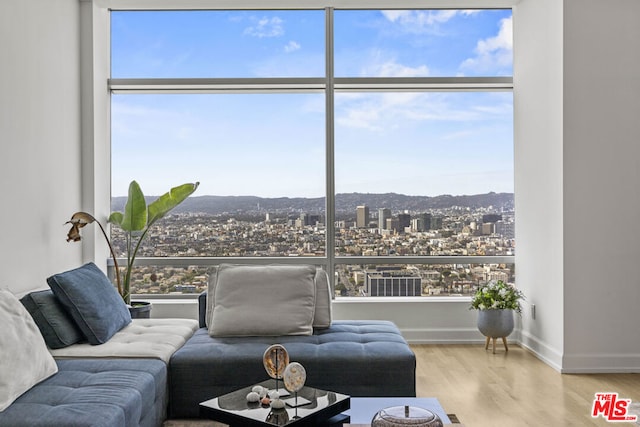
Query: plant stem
[113, 255]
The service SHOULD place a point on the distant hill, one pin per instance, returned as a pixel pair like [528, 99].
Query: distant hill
[346, 202]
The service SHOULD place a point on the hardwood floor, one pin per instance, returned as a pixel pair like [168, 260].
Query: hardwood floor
[512, 388]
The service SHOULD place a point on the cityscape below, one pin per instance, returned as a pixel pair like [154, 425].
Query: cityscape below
[367, 225]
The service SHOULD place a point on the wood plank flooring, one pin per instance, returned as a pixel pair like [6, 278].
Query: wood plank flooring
[512, 388]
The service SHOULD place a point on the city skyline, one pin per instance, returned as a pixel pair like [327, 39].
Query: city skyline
[461, 232]
[344, 203]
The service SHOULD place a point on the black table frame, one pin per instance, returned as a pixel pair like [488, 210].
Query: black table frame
[328, 415]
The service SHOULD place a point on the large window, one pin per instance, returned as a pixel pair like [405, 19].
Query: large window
[375, 143]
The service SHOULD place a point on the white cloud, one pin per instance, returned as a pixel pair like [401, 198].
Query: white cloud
[388, 110]
[493, 53]
[361, 112]
[265, 27]
[393, 69]
[385, 111]
[420, 21]
[292, 46]
[395, 15]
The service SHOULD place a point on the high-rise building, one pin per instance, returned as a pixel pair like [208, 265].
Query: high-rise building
[307, 219]
[392, 281]
[315, 219]
[491, 218]
[404, 221]
[436, 223]
[505, 229]
[425, 221]
[383, 215]
[488, 228]
[362, 216]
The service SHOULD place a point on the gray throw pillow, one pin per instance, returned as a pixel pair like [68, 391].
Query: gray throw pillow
[322, 315]
[92, 301]
[263, 300]
[55, 323]
[211, 295]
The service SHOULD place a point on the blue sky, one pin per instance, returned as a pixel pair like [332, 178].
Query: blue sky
[273, 145]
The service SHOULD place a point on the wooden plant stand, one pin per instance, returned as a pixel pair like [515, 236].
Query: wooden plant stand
[504, 341]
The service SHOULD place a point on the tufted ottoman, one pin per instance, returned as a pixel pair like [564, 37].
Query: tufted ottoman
[358, 358]
[94, 392]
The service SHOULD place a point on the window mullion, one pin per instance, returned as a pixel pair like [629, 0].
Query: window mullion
[330, 155]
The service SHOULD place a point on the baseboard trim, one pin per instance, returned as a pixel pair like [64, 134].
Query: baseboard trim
[542, 350]
[442, 335]
[539, 349]
[604, 363]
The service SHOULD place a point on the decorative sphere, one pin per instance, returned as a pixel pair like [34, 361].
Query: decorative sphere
[275, 359]
[253, 397]
[294, 376]
[277, 404]
[278, 417]
[262, 392]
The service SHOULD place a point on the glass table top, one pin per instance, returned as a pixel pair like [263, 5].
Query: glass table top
[234, 409]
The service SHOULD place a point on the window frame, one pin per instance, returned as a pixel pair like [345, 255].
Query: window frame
[329, 85]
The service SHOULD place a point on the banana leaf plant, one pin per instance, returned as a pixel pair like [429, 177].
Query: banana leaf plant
[135, 221]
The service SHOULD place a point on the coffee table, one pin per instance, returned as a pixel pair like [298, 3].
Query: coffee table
[234, 410]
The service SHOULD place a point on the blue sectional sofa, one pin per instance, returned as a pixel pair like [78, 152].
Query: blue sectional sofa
[153, 369]
[95, 392]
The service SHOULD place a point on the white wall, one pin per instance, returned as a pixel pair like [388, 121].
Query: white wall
[422, 321]
[601, 185]
[538, 167]
[40, 139]
[576, 73]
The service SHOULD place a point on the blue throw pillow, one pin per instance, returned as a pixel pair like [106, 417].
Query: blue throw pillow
[55, 323]
[92, 301]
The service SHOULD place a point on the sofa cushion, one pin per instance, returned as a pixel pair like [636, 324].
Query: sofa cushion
[322, 313]
[55, 323]
[211, 296]
[25, 359]
[92, 301]
[142, 338]
[263, 300]
[95, 393]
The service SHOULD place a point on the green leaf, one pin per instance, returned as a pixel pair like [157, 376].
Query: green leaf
[163, 204]
[135, 211]
[116, 218]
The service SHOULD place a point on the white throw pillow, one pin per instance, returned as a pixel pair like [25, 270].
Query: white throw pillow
[24, 357]
[263, 300]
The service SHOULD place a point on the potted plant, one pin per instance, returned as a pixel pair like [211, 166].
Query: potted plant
[135, 221]
[496, 302]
